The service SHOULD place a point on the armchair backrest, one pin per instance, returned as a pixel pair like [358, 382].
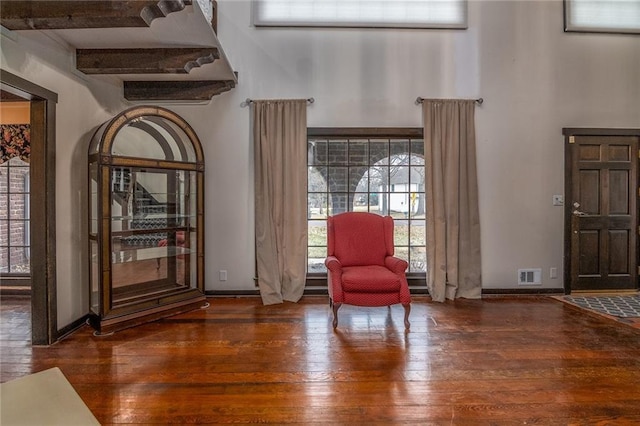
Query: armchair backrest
[360, 238]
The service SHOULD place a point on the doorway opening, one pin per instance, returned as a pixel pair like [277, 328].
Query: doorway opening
[37, 235]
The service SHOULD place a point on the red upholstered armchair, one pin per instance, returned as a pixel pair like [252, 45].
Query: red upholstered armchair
[361, 267]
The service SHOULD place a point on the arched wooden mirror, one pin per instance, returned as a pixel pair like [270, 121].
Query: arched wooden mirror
[146, 174]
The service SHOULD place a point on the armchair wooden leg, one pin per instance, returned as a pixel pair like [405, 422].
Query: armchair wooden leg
[336, 306]
[407, 309]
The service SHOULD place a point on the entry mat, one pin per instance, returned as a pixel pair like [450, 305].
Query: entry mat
[618, 306]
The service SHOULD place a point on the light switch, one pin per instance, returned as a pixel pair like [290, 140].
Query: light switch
[558, 200]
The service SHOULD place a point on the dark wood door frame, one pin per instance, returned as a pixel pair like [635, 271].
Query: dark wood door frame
[569, 196]
[44, 325]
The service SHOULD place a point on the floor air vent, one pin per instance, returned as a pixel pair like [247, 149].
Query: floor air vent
[529, 276]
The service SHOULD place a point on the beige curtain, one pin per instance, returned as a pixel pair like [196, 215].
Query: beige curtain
[453, 220]
[280, 156]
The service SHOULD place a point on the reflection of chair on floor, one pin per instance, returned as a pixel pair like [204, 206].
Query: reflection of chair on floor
[179, 243]
[362, 270]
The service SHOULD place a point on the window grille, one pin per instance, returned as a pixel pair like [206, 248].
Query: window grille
[14, 218]
[378, 174]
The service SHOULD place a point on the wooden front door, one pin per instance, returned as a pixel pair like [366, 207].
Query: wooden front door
[601, 219]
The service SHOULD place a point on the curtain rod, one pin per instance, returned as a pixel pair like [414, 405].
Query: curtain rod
[249, 101]
[420, 100]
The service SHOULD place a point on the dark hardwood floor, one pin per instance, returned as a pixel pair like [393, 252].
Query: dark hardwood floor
[521, 360]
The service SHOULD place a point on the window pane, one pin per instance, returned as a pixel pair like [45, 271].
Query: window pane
[4, 259]
[374, 203]
[315, 263]
[401, 148]
[338, 179]
[383, 204]
[317, 242]
[417, 148]
[400, 178]
[339, 203]
[358, 152]
[18, 233]
[399, 204]
[402, 253]
[360, 201]
[317, 233]
[318, 207]
[19, 260]
[417, 233]
[378, 150]
[418, 259]
[358, 178]
[4, 176]
[360, 13]
[317, 179]
[338, 152]
[363, 184]
[317, 152]
[602, 15]
[401, 232]
[16, 206]
[378, 179]
[417, 177]
[4, 206]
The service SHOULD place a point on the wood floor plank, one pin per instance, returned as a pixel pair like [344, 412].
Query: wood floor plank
[522, 360]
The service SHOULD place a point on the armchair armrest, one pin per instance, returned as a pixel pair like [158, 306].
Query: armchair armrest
[333, 264]
[395, 264]
[334, 279]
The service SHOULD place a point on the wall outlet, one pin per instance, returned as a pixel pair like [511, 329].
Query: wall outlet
[553, 273]
[223, 275]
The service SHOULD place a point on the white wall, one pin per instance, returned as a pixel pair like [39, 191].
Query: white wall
[79, 111]
[535, 79]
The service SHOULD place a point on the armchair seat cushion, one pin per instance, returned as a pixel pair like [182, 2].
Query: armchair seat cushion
[369, 279]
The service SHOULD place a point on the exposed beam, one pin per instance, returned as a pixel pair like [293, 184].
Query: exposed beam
[194, 90]
[49, 15]
[144, 61]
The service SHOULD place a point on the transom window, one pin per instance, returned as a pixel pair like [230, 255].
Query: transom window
[361, 13]
[614, 16]
[366, 170]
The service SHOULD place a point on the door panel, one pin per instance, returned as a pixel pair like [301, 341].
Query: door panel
[602, 210]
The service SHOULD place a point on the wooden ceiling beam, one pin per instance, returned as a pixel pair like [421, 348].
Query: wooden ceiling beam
[63, 14]
[194, 90]
[144, 61]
